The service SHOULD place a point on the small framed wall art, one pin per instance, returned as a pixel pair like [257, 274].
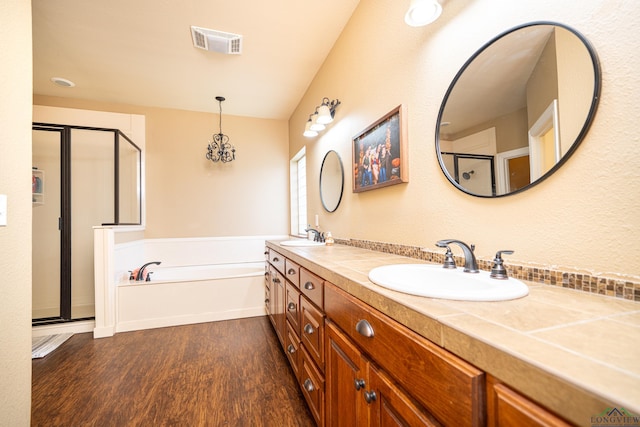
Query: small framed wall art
[380, 153]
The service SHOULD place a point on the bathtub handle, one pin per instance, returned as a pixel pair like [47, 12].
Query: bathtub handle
[291, 306]
[309, 286]
[308, 329]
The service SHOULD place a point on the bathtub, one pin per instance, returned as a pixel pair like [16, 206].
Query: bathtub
[180, 295]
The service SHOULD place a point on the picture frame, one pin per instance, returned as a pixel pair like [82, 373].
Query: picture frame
[380, 153]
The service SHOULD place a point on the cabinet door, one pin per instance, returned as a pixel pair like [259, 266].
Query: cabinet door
[507, 408]
[345, 381]
[277, 304]
[389, 406]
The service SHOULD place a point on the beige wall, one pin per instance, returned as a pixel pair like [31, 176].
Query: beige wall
[584, 216]
[189, 196]
[15, 238]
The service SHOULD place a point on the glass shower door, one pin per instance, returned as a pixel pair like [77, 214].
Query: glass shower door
[46, 160]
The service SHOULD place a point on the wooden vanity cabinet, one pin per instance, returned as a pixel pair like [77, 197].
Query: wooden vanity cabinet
[296, 311]
[506, 407]
[414, 374]
[360, 394]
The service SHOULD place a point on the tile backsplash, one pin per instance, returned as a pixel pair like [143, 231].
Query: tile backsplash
[611, 286]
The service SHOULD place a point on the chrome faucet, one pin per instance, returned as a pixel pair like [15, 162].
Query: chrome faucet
[140, 275]
[317, 236]
[470, 263]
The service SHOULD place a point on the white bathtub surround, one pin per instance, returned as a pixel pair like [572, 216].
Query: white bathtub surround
[191, 294]
[122, 305]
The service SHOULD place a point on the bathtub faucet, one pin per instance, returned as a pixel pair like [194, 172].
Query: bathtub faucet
[140, 275]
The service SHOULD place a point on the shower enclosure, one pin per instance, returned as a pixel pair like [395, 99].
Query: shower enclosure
[82, 177]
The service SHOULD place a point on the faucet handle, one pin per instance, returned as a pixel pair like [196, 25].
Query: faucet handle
[449, 262]
[498, 271]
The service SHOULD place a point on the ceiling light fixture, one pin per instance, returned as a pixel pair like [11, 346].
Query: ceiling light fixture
[422, 12]
[62, 82]
[220, 149]
[323, 115]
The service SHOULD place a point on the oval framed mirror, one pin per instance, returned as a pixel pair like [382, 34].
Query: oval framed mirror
[331, 181]
[517, 109]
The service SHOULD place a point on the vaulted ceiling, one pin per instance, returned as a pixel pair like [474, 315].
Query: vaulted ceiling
[141, 52]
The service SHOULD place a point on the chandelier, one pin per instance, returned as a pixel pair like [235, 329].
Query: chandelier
[220, 149]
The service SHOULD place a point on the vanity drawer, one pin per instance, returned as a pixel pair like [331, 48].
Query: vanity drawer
[312, 286]
[447, 386]
[292, 349]
[292, 306]
[277, 260]
[312, 384]
[292, 272]
[312, 331]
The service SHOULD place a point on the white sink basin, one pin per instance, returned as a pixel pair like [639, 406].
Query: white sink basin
[301, 242]
[436, 282]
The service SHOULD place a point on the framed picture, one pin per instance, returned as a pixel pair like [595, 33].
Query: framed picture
[380, 153]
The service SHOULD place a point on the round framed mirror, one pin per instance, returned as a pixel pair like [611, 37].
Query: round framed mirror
[331, 181]
[517, 109]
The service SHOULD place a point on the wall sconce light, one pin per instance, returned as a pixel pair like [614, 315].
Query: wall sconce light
[220, 149]
[422, 12]
[322, 116]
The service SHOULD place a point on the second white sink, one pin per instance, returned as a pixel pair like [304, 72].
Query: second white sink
[301, 242]
[436, 282]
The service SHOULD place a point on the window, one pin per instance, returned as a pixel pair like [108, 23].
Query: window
[298, 191]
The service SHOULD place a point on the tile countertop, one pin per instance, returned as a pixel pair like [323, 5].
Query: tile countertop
[574, 352]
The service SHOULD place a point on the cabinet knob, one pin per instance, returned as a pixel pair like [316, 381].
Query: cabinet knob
[370, 396]
[308, 385]
[276, 280]
[291, 272]
[359, 383]
[291, 307]
[364, 328]
[308, 328]
[266, 274]
[291, 349]
[309, 286]
[266, 301]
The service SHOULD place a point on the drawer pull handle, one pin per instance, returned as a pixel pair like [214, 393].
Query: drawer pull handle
[370, 396]
[308, 328]
[291, 307]
[308, 385]
[266, 301]
[276, 259]
[359, 383]
[266, 274]
[364, 328]
[291, 349]
[276, 280]
[309, 286]
[291, 272]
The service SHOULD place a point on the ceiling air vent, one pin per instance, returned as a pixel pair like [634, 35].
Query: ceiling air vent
[216, 41]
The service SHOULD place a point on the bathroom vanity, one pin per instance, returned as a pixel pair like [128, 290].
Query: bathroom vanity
[366, 355]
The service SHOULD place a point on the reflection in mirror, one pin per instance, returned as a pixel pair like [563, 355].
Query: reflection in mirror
[331, 181]
[517, 109]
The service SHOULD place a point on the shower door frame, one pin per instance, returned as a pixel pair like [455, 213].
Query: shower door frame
[64, 221]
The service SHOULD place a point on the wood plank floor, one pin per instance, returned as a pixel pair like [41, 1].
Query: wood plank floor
[228, 373]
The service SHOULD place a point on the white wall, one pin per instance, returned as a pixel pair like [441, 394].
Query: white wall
[585, 216]
[15, 238]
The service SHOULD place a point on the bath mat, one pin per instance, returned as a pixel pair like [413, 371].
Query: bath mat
[41, 346]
